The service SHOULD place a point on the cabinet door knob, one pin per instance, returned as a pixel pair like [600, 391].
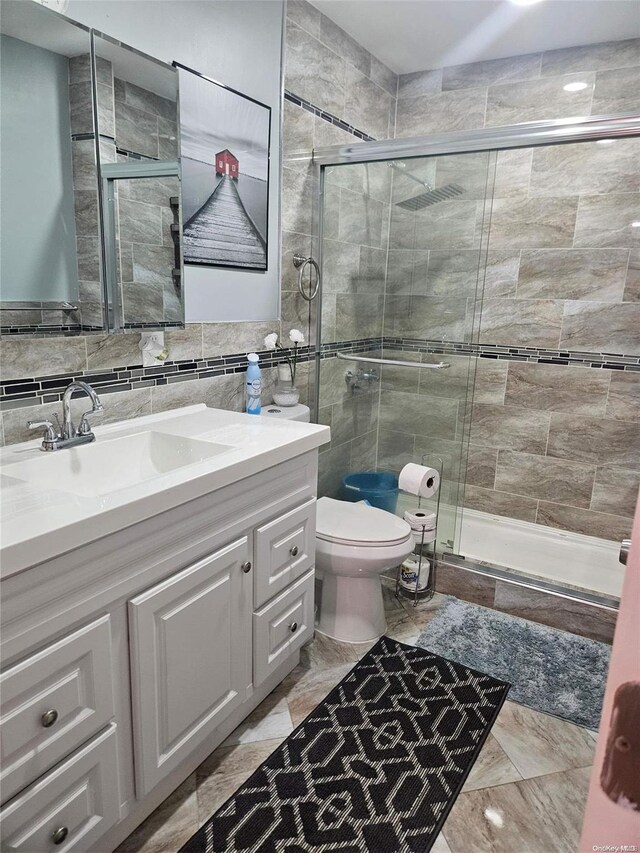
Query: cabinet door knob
[58, 835]
[293, 627]
[246, 567]
[49, 718]
[294, 551]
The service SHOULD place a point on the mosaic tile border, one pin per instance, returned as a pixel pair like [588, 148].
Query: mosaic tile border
[328, 117]
[17, 393]
[49, 329]
[610, 361]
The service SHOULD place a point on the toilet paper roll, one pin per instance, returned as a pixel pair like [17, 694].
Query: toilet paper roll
[411, 571]
[429, 536]
[419, 518]
[419, 480]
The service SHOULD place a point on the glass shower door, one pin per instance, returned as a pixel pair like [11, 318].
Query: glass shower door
[404, 257]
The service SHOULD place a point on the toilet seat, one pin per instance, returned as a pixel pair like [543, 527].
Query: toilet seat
[357, 524]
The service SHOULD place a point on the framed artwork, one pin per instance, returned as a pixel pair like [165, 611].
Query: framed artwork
[224, 148]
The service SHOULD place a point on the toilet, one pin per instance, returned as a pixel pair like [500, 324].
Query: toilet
[355, 543]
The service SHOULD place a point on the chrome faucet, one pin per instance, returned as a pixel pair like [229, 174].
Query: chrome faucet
[68, 435]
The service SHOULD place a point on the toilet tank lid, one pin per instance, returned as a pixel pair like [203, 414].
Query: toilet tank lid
[357, 523]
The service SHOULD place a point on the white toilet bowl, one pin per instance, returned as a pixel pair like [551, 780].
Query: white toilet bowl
[355, 543]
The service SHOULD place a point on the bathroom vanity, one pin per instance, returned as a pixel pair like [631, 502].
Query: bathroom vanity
[156, 586]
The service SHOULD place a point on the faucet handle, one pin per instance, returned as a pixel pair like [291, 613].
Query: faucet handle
[50, 433]
[85, 426]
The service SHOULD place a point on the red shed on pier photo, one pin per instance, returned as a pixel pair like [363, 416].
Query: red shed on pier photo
[227, 164]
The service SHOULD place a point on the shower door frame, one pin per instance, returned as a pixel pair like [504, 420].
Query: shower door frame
[557, 131]
[526, 135]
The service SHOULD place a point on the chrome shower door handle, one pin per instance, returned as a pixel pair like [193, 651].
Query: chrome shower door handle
[301, 263]
[624, 551]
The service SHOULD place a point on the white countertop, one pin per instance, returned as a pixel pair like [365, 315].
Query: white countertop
[37, 525]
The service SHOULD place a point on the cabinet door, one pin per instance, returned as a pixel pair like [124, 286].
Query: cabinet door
[190, 639]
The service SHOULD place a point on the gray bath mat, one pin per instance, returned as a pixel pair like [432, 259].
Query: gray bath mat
[550, 670]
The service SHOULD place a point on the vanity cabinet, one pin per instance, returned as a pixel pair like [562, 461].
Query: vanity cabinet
[150, 645]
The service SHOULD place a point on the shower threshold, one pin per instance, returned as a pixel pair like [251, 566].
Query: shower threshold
[519, 578]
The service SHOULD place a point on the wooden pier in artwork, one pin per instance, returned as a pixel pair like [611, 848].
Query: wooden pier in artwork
[222, 232]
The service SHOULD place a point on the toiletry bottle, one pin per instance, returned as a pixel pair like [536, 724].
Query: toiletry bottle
[254, 384]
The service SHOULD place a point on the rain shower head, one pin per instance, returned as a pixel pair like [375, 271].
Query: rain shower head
[418, 202]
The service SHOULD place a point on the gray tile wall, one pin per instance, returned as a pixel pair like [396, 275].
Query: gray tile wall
[24, 357]
[326, 67]
[553, 444]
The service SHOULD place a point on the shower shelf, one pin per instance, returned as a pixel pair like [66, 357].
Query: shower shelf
[393, 362]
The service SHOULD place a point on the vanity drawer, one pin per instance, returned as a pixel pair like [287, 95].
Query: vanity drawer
[284, 550]
[282, 627]
[76, 803]
[52, 702]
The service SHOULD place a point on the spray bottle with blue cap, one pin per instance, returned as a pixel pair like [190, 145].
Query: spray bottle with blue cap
[253, 385]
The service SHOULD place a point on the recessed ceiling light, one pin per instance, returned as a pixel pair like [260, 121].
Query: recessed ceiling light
[525, 2]
[575, 87]
[605, 141]
[636, 224]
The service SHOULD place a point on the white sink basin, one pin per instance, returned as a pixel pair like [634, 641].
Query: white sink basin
[109, 465]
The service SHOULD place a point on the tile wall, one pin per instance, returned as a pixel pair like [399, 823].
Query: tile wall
[337, 92]
[555, 443]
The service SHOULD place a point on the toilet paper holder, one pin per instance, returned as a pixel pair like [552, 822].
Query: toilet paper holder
[433, 461]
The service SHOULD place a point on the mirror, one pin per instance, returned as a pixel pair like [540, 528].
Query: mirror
[50, 237]
[90, 229]
[137, 99]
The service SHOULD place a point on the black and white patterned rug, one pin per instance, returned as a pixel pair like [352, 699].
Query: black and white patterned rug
[375, 768]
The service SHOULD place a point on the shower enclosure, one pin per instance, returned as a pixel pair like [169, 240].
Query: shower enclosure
[477, 307]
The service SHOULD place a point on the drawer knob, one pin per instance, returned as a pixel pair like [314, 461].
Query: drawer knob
[58, 835]
[246, 567]
[294, 551]
[293, 627]
[49, 718]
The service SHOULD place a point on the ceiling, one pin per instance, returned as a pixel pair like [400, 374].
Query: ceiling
[415, 35]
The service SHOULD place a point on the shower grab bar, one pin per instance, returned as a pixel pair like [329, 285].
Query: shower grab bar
[301, 263]
[393, 362]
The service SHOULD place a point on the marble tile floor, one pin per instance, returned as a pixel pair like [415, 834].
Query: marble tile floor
[525, 793]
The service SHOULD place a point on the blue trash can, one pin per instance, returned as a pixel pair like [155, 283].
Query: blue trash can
[380, 488]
